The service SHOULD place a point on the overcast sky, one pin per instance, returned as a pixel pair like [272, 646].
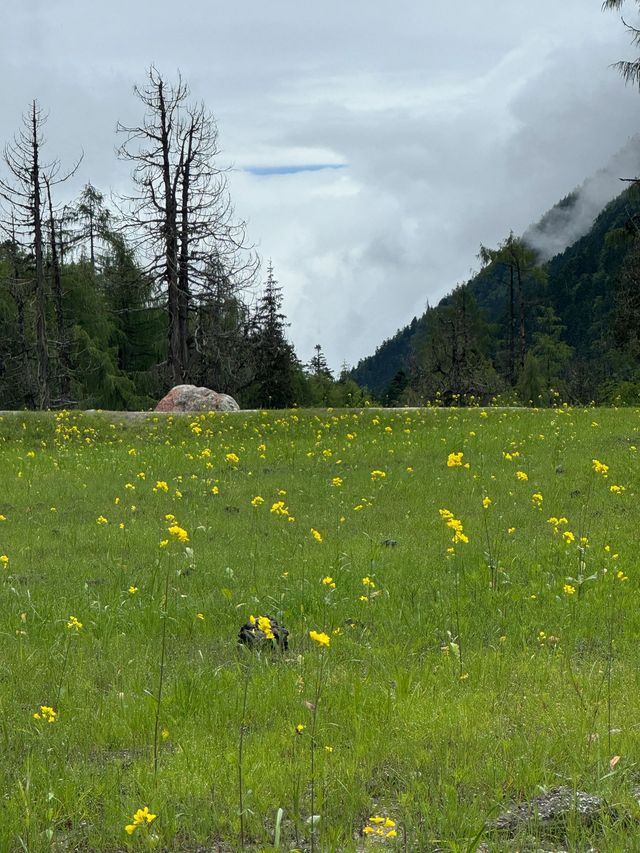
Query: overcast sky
[432, 126]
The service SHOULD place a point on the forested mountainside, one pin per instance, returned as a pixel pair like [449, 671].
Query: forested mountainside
[526, 328]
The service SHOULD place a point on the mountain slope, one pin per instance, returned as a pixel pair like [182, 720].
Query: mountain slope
[581, 293]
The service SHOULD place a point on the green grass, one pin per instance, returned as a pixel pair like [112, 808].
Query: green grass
[440, 700]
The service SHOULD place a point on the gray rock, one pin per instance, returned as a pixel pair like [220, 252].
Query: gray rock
[190, 398]
[552, 809]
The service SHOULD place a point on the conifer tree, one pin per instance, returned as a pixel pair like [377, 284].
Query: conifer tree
[630, 70]
[275, 358]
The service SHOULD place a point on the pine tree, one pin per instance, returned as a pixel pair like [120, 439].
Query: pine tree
[275, 358]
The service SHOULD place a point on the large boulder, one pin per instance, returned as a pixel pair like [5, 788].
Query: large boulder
[189, 398]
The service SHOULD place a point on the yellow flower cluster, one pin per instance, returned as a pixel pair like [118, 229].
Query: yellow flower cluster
[383, 827]
[454, 524]
[278, 508]
[320, 638]
[178, 533]
[600, 467]
[377, 475]
[74, 624]
[454, 460]
[316, 534]
[557, 522]
[46, 713]
[537, 499]
[142, 817]
[264, 625]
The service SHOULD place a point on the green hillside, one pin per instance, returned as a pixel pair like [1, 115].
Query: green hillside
[526, 329]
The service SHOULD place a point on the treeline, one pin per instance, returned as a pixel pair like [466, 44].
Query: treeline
[526, 331]
[108, 305]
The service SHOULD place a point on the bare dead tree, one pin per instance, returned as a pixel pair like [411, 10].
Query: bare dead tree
[23, 215]
[62, 343]
[180, 214]
[22, 195]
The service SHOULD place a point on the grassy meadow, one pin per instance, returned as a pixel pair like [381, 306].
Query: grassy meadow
[471, 579]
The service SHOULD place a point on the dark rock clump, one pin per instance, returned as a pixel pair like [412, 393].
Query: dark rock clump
[552, 810]
[256, 634]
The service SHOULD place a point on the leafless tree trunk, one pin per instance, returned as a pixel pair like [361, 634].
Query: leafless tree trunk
[63, 340]
[22, 202]
[180, 215]
[41, 295]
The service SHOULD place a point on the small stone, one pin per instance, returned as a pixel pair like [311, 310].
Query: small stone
[550, 809]
[250, 635]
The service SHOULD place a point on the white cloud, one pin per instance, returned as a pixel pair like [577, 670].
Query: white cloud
[457, 122]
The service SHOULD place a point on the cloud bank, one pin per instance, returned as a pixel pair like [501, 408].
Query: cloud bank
[438, 127]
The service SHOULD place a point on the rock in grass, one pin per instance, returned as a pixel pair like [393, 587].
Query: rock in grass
[264, 632]
[552, 810]
[190, 398]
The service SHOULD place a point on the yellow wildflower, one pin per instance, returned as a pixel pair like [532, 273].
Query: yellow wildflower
[600, 467]
[454, 460]
[522, 476]
[278, 508]
[316, 534]
[320, 638]
[141, 817]
[46, 713]
[74, 624]
[486, 502]
[178, 533]
[257, 501]
[264, 625]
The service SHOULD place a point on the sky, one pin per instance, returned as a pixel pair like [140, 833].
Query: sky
[374, 146]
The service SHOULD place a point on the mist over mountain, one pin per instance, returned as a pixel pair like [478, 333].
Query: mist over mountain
[574, 215]
[557, 309]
